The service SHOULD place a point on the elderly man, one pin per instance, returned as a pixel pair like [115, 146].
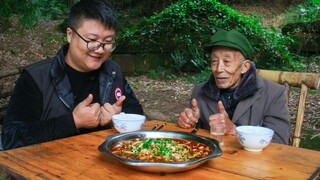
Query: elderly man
[234, 95]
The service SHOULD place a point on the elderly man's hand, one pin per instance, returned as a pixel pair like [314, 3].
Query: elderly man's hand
[189, 117]
[222, 118]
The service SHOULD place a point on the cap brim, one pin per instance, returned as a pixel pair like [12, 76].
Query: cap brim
[208, 47]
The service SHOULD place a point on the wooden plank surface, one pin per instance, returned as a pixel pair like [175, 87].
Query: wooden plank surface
[78, 157]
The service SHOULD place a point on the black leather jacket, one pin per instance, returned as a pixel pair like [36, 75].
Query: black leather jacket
[42, 102]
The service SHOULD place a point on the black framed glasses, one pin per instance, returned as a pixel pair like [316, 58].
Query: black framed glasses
[94, 45]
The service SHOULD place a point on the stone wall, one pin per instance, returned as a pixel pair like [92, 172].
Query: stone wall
[141, 63]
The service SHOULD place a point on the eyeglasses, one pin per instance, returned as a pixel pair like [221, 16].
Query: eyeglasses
[94, 45]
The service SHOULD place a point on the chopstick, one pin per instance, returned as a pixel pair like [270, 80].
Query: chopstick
[162, 125]
[154, 127]
[195, 130]
[315, 174]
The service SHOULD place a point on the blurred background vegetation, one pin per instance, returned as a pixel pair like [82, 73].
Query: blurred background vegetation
[180, 27]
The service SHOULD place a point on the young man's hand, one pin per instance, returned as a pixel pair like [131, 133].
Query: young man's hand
[107, 110]
[86, 114]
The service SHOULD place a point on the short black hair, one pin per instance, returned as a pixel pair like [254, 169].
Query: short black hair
[92, 9]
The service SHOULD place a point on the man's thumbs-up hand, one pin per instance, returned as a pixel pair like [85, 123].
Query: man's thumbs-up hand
[190, 116]
[86, 114]
[222, 118]
[107, 110]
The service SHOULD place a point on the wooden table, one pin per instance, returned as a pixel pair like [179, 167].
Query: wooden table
[78, 157]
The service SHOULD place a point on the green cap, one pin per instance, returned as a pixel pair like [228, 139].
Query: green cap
[232, 39]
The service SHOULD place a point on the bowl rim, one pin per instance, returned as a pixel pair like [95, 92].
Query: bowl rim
[239, 129]
[115, 117]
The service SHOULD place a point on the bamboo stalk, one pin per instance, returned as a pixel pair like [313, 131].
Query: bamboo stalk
[311, 80]
[300, 115]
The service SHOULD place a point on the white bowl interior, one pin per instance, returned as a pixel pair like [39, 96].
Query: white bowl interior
[254, 138]
[128, 122]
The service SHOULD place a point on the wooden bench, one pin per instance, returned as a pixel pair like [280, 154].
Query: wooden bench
[304, 81]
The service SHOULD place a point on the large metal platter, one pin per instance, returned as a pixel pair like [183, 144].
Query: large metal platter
[157, 167]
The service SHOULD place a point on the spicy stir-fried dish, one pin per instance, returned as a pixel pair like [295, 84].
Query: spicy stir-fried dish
[160, 149]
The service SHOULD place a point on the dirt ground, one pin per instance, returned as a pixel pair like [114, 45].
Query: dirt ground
[161, 99]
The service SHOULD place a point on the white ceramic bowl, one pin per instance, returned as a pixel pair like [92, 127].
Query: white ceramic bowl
[254, 138]
[128, 122]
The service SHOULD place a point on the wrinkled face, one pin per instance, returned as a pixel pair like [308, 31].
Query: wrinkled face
[79, 56]
[227, 66]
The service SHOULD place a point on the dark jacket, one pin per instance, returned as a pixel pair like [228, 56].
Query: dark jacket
[42, 102]
[259, 102]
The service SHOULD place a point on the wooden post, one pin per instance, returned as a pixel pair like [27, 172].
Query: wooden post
[294, 79]
[300, 115]
[288, 87]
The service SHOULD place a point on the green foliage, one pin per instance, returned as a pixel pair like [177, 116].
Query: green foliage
[312, 62]
[157, 73]
[313, 92]
[199, 77]
[30, 12]
[161, 73]
[178, 60]
[306, 12]
[302, 22]
[56, 38]
[134, 85]
[183, 27]
[311, 141]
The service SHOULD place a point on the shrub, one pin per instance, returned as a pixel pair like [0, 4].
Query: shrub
[305, 12]
[183, 27]
[30, 12]
[303, 23]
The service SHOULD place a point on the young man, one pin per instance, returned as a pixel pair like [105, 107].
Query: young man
[75, 92]
[234, 95]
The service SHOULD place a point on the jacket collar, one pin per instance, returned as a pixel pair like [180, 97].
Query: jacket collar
[108, 73]
[248, 102]
[60, 79]
[248, 86]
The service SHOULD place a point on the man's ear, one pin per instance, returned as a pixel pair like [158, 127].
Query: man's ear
[245, 66]
[69, 34]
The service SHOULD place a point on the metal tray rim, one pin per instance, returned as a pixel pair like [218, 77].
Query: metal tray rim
[162, 167]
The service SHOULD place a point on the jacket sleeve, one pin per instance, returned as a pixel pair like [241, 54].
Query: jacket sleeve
[205, 111]
[22, 125]
[277, 116]
[131, 103]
